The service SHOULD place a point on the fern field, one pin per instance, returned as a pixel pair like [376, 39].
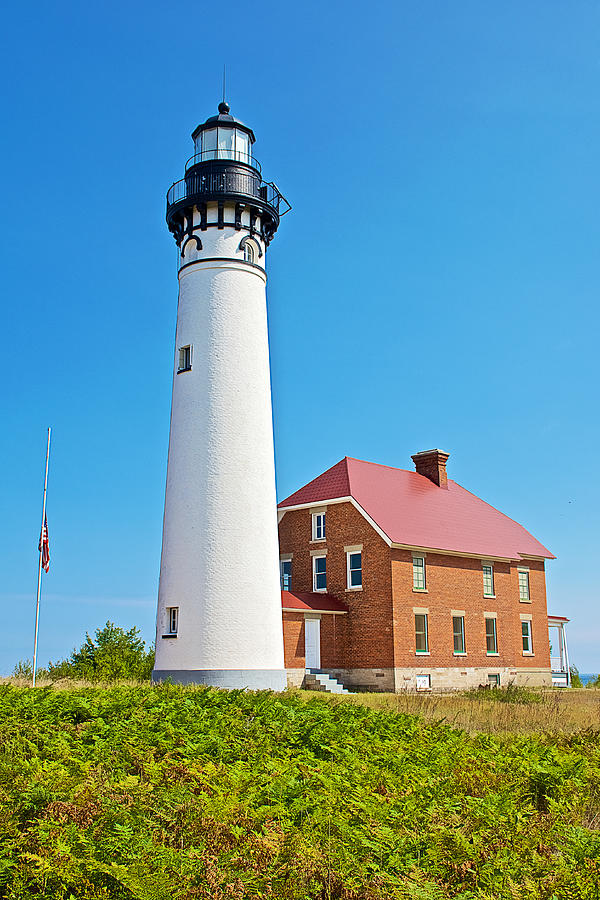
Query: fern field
[166, 793]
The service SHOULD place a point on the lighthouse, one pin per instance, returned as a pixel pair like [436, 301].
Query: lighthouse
[219, 619]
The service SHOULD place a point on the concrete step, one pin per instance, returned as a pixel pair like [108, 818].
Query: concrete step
[321, 681]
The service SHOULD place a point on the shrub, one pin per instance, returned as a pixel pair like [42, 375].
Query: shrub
[576, 681]
[114, 654]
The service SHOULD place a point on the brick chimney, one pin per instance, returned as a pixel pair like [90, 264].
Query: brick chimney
[432, 464]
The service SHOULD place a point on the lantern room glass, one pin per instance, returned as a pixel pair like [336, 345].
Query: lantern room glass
[223, 143]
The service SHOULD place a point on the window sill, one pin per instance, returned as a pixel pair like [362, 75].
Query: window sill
[320, 590]
[422, 653]
[489, 596]
[489, 653]
[351, 590]
[168, 636]
[459, 653]
[524, 601]
[318, 540]
[420, 590]
[179, 371]
[528, 653]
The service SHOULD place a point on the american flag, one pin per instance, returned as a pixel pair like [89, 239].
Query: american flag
[44, 546]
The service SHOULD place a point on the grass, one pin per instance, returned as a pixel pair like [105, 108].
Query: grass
[517, 711]
[170, 793]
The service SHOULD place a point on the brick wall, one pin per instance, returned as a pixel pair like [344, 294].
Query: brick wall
[379, 631]
[364, 636]
[456, 583]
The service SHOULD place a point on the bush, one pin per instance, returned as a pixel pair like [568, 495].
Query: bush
[114, 654]
[576, 681]
[512, 693]
[24, 669]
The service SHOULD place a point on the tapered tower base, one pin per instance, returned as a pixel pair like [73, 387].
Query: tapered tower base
[252, 679]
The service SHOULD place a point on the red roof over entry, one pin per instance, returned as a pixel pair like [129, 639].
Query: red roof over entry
[412, 510]
[309, 602]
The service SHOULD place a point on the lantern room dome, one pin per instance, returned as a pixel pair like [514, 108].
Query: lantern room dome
[223, 137]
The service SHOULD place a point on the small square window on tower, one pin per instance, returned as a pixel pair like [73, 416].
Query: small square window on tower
[185, 359]
[172, 619]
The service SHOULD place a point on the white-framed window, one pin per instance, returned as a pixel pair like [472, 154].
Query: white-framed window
[172, 619]
[423, 682]
[319, 573]
[491, 636]
[185, 359]
[488, 581]
[249, 254]
[493, 679]
[285, 570]
[421, 634]
[526, 634]
[458, 631]
[418, 573]
[354, 569]
[318, 526]
[524, 585]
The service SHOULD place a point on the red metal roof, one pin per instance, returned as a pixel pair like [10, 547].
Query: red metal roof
[412, 510]
[317, 602]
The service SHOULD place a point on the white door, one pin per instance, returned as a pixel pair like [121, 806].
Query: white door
[312, 643]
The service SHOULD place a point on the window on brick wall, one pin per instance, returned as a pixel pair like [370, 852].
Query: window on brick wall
[488, 581]
[524, 585]
[526, 635]
[421, 636]
[319, 573]
[491, 636]
[354, 569]
[418, 573]
[285, 569]
[458, 631]
[318, 527]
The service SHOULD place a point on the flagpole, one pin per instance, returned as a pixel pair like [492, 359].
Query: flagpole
[39, 584]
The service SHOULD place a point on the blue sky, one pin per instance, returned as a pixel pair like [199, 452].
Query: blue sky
[436, 283]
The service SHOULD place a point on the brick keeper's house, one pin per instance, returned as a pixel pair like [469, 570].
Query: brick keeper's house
[395, 580]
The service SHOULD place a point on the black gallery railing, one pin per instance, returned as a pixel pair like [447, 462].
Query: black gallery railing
[243, 184]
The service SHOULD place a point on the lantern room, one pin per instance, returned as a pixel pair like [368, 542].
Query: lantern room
[223, 137]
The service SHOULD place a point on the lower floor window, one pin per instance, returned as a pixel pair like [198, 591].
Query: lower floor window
[172, 619]
[423, 682]
[494, 680]
[458, 628]
[491, 637]
[526, 633]
[421, 637]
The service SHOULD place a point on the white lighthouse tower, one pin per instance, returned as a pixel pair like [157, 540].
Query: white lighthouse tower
[219, 616]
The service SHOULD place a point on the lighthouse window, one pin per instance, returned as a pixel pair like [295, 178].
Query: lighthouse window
[248, 252]
[319, 573]
[185, 359]
[172, 619]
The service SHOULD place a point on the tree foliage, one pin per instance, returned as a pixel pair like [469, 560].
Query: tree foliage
[111, 655]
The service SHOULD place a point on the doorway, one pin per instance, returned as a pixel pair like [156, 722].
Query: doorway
[312, 643]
